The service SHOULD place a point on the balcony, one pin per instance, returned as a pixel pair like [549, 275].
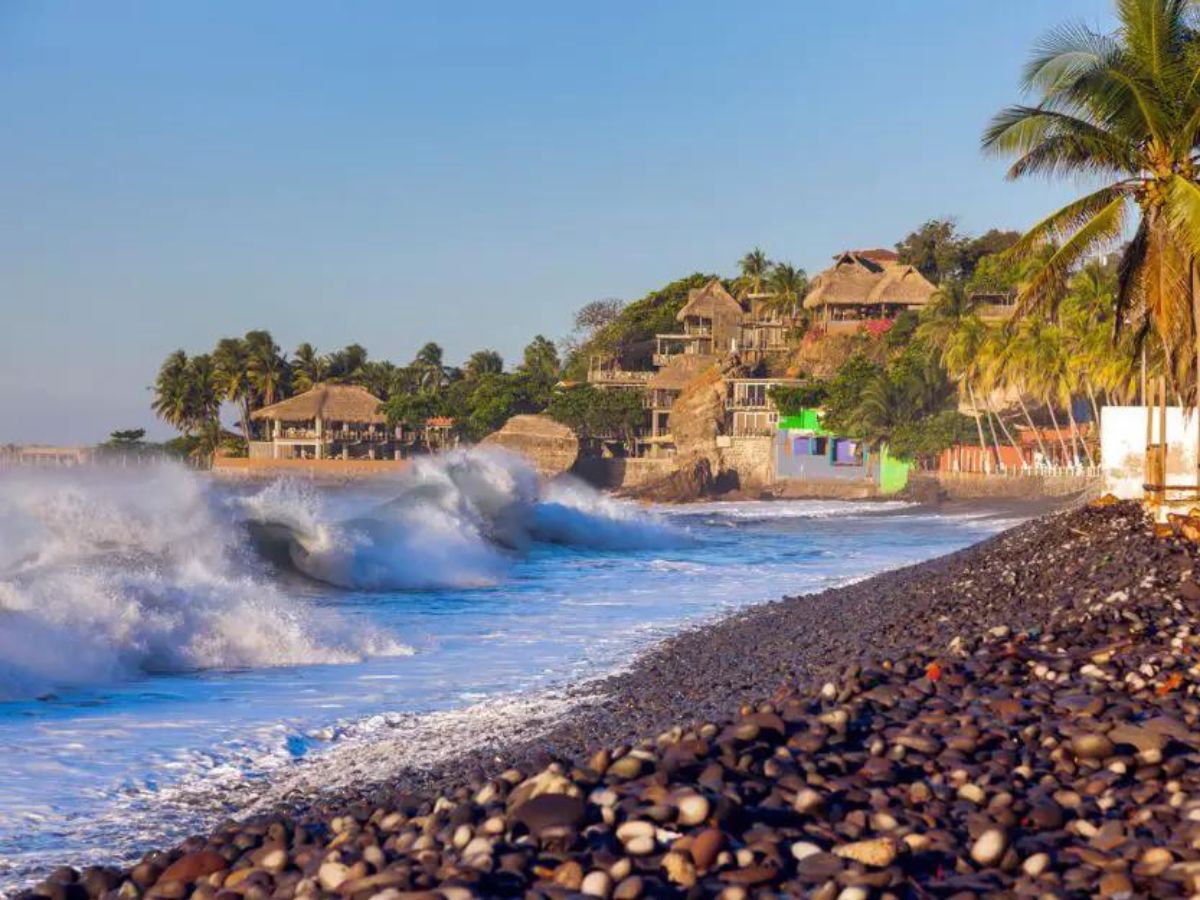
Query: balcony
[669, 346]
[618, 377]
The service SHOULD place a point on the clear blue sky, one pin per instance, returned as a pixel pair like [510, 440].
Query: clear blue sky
[471, 173]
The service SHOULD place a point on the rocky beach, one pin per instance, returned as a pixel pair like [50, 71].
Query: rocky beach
[1018, 718]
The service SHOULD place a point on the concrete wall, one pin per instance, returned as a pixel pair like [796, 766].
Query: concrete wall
[1123, 448]
[753, 458]
[977, 486]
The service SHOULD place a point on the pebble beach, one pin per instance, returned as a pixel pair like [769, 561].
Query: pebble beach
[1015, 719]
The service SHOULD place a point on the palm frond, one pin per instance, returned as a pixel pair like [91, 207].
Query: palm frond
[1104, 226]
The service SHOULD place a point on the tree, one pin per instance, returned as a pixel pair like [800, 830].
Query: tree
[597, 314]
[540, 368]
[483, 362]
[755, 269]
[172, 392]
[308, 368]
[935, 249]
[787, 285]
[845, 389]
[430, 368]
[595, 414]
[378, 377]
[231, 372]
[1123, 108]
[267, 370]
[346, 364]
[130, 437]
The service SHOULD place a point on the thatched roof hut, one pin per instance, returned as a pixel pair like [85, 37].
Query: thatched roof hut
[870, 277]
[329, 402]
[551, 446]
[709, 302]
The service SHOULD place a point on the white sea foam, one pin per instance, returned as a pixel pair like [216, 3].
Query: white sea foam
[109, 573]
[454, 521]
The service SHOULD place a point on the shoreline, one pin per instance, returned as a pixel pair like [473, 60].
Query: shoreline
[705, 673]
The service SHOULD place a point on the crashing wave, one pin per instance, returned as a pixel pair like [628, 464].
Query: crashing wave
[111, 573]
[454, 521]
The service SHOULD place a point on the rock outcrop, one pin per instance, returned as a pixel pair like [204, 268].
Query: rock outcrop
[550, 446]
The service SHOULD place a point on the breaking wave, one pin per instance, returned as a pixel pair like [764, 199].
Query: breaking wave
[455, 521]
[113, 573]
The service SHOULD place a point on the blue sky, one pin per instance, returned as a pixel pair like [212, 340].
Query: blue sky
[471, 173]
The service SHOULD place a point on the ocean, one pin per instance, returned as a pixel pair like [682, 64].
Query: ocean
[174, 649]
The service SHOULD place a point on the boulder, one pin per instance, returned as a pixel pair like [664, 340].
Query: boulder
[550, 446]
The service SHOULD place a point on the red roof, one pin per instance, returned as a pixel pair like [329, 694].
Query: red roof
[879, 255]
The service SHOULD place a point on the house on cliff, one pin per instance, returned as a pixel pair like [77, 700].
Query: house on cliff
[865, 286]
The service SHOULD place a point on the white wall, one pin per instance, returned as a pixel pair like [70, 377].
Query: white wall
[1123, 448]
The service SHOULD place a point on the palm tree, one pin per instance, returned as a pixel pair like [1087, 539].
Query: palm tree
[378, 378]
[483, 362]
[1037, 349]
[754, 266]
[787, 285]
[1125, 108]
[431, 368]
[266, 368]
[959, 336]
[171, 391]
[308, 367]
[231, 369]
[345, 364]
[963, 359]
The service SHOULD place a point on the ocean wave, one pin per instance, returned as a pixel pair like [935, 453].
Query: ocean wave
[111, 573]
[453, 521]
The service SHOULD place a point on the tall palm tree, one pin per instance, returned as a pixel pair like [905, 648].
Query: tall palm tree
[787, 286]
[308, 367]
[962, 357]
[1037, 348]
[171, 391]
[754, 266]
[1125, 108]
[231, 369]
[483, 362]
[266, 367]
[431, 367]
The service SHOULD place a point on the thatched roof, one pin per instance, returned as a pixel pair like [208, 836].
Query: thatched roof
[551, 446]
[709, 301]
[676, 374]
[871, 276]
[903, 284]
[331, 402]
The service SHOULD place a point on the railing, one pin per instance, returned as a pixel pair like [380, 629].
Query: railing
[618, 376]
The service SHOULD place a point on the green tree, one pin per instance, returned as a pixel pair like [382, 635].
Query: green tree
[787, 285]
[231, 373]
[309, 368]
[345, 365]
[483, 362]
[172, 392]
[267, 370]
[595, 414]
[936, 249]
[1122, 108]
[755, 269]
[540, 369]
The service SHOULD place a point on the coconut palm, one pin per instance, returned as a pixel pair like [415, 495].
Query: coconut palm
[231, 371]
[308, 367]
[787, 285]
[962, 356]
[171, 389]
[1036, 348]
[483, 362]
[1125, 108]
[430, 367]
[755, 267]
[377, 377]
[266, 368]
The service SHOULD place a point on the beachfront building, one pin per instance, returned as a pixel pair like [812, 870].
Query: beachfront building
[864, 287]
[810, 456]
[328, 421]
[662, 390]
[710, 325]
[749, 409]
